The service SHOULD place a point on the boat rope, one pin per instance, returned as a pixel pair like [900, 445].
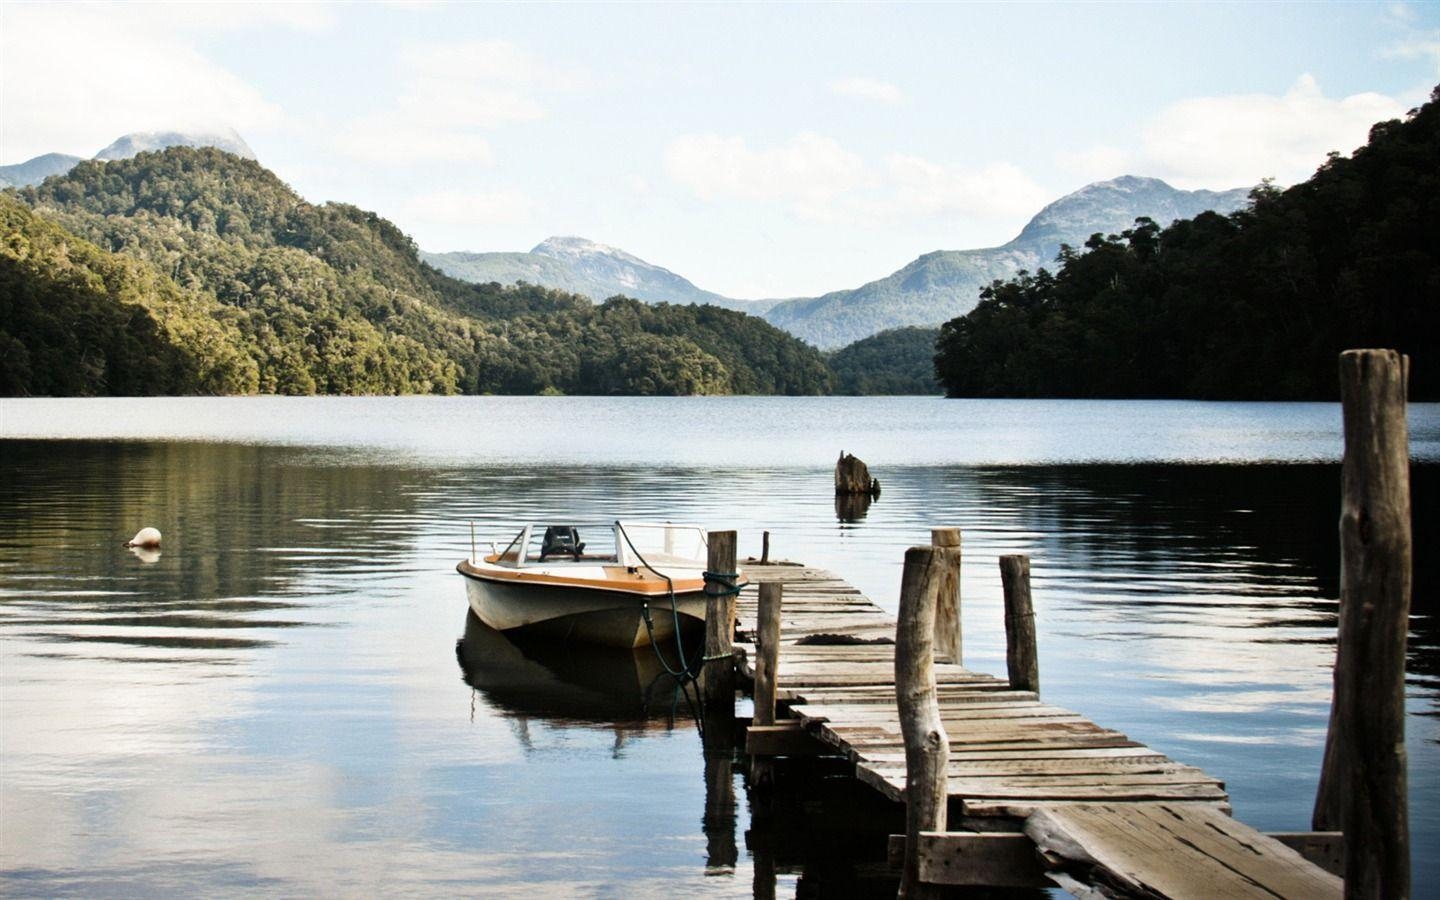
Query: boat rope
[725, 581]
[683, 672]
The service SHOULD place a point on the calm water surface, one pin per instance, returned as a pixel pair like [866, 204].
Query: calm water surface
[291, 699]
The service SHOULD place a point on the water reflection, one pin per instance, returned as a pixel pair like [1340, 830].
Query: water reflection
[852, 507]
[571, 682]
[272, 703]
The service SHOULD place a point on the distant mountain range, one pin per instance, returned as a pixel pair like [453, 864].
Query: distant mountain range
[33, 171]
[934, 288]
[939, 286]
[582, 266]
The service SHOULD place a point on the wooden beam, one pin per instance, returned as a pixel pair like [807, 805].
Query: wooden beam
[717, 677]
[786, 738]
[1363, 778]
[1325, 849]
[1021, 658]
[767, 639]
[926, 745]
[949, 628]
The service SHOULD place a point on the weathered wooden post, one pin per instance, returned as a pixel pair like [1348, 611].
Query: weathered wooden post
[948, 628]
[717, 695]
[717, 680]
[765, 548]
[852, 476]
[767, 639]
[1363, 779]
[927, 747]
[1022, 662]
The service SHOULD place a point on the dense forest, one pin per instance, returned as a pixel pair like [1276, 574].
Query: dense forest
[895, 361]
[1254, 305]
[196, 271]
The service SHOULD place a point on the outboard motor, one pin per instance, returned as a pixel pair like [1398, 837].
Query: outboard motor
[561, 540]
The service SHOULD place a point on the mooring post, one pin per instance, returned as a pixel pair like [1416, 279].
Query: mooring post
[1363, 778]
[1022, 662]
[717, 680]
[765, 548]
[767, 640]
[949, 631]
[927, 747]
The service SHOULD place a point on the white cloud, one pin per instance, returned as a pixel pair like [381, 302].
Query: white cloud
[922, 187]
[1236, 140]
[815, 178]
[381, 139]
[450, 93]
[808, 173]
[1418, 46]
[868, 89]
[74, 77]
[506, 207]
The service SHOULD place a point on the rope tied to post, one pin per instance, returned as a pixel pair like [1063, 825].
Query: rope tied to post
[723, 582]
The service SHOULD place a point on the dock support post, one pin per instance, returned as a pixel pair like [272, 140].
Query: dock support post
[927, 747]
[949, 630]
[765, 549]
[767, 639]
[717, 703]
[718, 676]
[1022, 662]
[1363, 779]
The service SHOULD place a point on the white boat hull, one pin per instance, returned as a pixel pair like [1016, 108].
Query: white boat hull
[610, 617]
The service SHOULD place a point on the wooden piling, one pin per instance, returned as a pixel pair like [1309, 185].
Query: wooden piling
[852, 476]
[1021, 658]
[927, 747]
[717, 680]
[1363, 778]
[948, 628]
[765, 549]
[767, 640]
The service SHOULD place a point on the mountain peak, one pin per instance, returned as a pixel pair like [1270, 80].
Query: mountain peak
[142, 141]
[1109, 207]
[575, 248]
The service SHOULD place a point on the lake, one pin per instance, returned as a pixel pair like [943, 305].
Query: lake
[291, 699]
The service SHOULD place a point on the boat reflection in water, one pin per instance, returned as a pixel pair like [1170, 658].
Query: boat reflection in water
[572, 681]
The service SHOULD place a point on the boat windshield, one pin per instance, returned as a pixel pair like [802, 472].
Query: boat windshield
[663, 545]
[562, 544]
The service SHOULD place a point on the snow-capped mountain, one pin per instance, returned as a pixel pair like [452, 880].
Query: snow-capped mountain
[34, 171]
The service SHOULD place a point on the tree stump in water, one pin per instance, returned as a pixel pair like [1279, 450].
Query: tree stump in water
[853, 477]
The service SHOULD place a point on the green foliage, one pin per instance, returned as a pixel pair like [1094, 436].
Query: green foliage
[256, 289]
[76, 320]
[1255, 305]
[898, 361]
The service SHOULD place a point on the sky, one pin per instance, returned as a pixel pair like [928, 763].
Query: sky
[760, 150]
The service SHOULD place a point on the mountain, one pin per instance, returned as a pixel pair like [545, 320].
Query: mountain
[34, 171]
[196, 271]
[582, 266]
[146, 141]
[941, 285]
[1256, 305]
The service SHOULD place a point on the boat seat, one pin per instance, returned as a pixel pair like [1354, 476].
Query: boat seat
[561, 540]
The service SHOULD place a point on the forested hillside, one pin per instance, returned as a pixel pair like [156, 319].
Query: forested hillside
[1254, 305]
[898, 361]
[327, 299]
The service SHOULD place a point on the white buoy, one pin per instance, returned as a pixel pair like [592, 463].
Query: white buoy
[145, 537]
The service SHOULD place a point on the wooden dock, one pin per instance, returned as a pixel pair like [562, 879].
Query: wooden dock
[1037, 794]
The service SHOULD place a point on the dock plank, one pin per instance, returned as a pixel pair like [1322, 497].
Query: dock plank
[1106, 811]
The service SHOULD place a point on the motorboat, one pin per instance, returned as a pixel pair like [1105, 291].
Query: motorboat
[623, 584]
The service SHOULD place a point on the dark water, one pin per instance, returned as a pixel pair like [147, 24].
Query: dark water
[278, 704]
